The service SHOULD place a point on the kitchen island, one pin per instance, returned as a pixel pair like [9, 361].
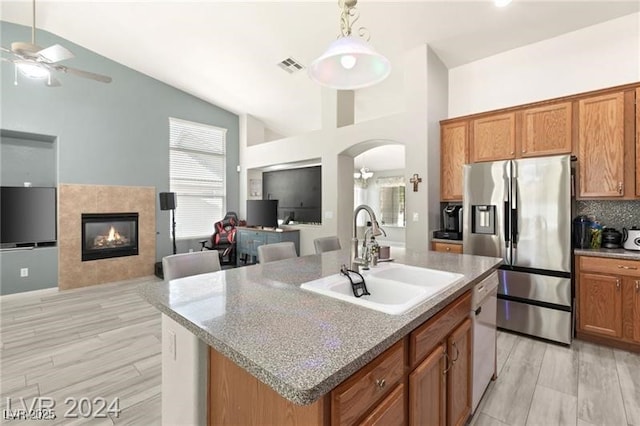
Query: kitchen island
[300, 344]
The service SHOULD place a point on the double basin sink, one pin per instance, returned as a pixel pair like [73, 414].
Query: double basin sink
[395, 288]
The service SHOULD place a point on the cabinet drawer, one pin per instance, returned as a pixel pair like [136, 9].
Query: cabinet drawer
[630, 268]
[446, 247]
[426, 337]
[390, 411]
[354, 397]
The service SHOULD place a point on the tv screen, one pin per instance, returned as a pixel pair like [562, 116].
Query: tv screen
[299, 192]
[262, 213]
[27, 215]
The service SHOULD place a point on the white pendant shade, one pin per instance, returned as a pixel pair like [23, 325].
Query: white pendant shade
[349, 63]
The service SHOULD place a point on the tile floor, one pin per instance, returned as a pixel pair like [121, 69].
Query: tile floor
[104, 341]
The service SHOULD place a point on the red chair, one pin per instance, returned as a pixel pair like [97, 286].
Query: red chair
[224, 239]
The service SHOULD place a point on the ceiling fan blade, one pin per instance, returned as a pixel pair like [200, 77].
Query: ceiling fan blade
[4, 49]
[85, 74]
[6, 59]
[55, 53]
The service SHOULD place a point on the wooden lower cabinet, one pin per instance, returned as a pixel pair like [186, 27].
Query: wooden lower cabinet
[608, 299]
[427, 390]
[440, 387]
[423, 379]
[446, 247]
[601, 303]
[459, 347]
[390, 412]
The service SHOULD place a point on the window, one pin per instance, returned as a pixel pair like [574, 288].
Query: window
[392, 199]
[197, 176]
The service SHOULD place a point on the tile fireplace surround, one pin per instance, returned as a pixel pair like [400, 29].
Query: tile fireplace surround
[73, 200]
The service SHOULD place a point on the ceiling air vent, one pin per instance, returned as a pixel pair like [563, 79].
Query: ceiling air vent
[290, 65]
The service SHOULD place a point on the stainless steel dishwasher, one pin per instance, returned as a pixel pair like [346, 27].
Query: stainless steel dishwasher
[484, 310]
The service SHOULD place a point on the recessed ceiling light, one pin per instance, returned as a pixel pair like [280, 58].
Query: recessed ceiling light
[501, 3]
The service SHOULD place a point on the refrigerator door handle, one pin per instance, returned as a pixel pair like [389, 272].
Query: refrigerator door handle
[514, 212]
[507, 217]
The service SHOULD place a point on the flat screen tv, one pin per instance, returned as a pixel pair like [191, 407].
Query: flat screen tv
[262, 213]
[299, 192]
[27, 215]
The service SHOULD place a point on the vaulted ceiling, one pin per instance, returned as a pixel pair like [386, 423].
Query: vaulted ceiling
[226, 52]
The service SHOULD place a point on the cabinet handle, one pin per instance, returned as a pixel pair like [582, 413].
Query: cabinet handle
[638, 285]
[381, 383]
[446, 360]
[448, 248]
[524, 151]
[618, 283]
[620, 188]
[455, 346]
[627, 267]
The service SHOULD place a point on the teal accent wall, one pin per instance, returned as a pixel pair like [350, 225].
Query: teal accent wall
[105, 134]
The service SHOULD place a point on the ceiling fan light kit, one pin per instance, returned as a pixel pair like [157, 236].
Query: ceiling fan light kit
[350, 62]
[34, 62]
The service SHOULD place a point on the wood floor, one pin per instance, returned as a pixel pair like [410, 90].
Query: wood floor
[104, 341]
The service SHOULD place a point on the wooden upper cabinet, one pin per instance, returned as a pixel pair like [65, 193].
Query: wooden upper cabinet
[601, 145]
[453, 156]
[638, 142]
[493, 138]
[546, 130]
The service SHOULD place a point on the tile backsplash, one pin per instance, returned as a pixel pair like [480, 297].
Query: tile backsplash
[611, 213]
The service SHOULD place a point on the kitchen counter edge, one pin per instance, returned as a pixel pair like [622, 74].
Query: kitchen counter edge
[610, 253]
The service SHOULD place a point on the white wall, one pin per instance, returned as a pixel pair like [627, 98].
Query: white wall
[596, 57]
[336, 148]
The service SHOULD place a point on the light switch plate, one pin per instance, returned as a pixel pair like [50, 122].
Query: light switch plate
[24, 272]
[415, 216]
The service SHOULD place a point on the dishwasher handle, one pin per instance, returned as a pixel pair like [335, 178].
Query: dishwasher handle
[477, 311]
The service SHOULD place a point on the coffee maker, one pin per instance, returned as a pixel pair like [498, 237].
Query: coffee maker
[452, 223]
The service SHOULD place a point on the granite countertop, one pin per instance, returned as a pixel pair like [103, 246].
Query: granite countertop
[612, 253]
[442, 240]
[300, 343]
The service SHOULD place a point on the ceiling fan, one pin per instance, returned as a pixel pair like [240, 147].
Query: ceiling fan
[34, 62]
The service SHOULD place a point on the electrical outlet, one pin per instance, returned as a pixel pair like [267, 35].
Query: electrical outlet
[171, 344]
[415, 216]
[24, 272]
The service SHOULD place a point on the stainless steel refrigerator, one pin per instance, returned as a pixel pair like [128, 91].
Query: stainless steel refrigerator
[521, 210]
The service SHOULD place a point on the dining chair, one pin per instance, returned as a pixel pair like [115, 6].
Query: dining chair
[187, 264]
[324, 244]
[277, 251]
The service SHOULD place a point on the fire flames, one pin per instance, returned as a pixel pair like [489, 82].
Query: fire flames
[112, 239]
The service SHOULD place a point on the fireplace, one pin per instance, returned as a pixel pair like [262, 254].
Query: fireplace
[106, 235]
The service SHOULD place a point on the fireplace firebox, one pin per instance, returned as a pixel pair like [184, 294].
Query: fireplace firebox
[106, 235]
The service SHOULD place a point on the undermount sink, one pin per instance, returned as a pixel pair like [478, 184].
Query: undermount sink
[395, 288]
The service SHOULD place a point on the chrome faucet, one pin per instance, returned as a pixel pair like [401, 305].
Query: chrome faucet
[363, 261]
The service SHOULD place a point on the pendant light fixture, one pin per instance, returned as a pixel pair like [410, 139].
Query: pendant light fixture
[350, 62]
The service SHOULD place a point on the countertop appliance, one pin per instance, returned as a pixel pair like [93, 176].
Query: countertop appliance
[611, 238]
[452, 222]
[483, 315]
[582, 232]
[631, 238]
[521, 210]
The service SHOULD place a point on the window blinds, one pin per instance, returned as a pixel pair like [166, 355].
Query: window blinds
[197, 176]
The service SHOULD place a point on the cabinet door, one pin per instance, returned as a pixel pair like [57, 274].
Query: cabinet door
[638, 142]
[600, 309]
[546, 130]
[459, 348]
[453, 155]
[601, 146]
[390, 412]
[427, 396]
[493, 138]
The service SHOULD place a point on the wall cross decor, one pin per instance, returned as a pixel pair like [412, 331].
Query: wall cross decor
[415, 180]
